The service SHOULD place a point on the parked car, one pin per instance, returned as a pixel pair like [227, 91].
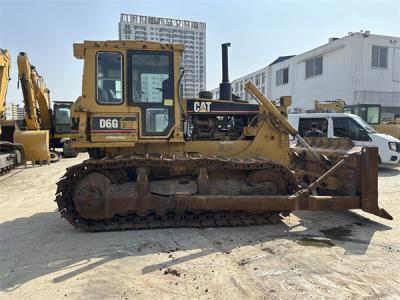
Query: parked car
[352, 126]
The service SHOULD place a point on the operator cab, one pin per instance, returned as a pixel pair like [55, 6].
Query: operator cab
[150, 86]
[61, 117]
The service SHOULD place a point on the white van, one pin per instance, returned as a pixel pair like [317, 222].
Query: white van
[352, 126]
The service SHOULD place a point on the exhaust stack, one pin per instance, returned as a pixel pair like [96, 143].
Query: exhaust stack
[225, 87]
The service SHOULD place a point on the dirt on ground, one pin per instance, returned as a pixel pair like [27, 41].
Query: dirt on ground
[308, 255]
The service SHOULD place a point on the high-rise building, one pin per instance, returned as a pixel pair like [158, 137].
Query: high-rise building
[190, 33]
[14, 112]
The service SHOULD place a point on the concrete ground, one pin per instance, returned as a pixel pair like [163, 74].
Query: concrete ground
[309, 255]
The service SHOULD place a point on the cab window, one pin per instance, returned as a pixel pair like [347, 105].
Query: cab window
[62, 119]
[109, 78]
[156, 120]
[63, 115]
[150, 77]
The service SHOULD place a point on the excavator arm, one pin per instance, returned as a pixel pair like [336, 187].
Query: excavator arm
[5, 64]
[35, 138]
[36, 95]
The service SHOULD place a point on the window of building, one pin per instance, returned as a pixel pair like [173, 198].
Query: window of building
[379, 57]
[257, 80]
[314, 66]
[282, 76]
[263, 78]
[109, 78]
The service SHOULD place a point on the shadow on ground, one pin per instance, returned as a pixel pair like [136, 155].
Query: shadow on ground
[388, 172]
[43, 243]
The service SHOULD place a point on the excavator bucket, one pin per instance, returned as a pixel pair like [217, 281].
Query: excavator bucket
[35, 143]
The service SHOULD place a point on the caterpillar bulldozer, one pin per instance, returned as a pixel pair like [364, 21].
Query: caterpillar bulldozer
[159, 160]
[11, 154]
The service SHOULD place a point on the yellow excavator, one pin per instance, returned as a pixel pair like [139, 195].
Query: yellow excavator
[35, 136]
[46, 128]
[160, 160]
[11, 154]
[43, 130]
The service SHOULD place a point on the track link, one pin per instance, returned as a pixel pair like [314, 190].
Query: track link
[176, 165]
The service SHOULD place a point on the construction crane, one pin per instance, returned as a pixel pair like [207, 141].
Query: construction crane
[160, 160]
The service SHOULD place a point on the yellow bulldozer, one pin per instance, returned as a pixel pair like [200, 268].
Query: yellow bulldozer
[160, 160]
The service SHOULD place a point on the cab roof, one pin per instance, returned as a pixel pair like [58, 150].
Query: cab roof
[79, 48]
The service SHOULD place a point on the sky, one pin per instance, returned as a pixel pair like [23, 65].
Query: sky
[259, 31]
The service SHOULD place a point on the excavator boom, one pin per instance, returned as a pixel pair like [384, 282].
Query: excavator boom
[36, 95]
[35, 138]
[5, 64]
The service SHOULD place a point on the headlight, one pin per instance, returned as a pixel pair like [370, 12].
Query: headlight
[392, 146]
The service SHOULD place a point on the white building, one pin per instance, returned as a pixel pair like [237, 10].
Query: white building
[190, 33]
[258, 77]
[14, 112]
[358, 68]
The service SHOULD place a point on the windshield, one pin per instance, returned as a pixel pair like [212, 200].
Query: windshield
[63, 115]
[364, 124]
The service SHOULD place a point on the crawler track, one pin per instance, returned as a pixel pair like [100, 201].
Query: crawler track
[116, 170]
[11, 156]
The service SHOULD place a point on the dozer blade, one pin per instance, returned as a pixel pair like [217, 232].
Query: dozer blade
[330, 167]
[354, 173]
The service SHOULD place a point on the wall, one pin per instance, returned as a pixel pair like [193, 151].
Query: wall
[347, 74]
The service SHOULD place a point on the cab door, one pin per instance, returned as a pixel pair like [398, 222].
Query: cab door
[151, 87]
